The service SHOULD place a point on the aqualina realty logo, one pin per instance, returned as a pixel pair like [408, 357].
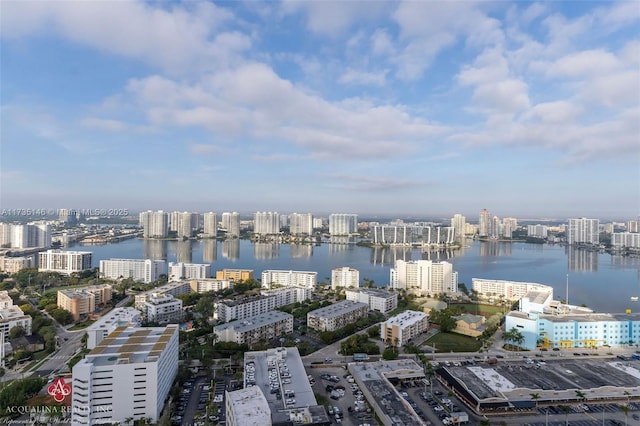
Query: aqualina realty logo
[59, 389]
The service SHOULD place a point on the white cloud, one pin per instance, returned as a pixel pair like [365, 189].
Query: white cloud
[178, 38]
[354, 77]
[586, 62]
[332, 18]
[254, 101]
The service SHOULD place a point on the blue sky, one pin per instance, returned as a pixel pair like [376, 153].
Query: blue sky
[417, 108]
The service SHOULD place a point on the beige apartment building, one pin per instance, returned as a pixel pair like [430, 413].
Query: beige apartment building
[235, 274]
[403, 327]
[333, 317]
[83, 301]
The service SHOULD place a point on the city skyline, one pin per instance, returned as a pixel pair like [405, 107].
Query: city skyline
[376, 108]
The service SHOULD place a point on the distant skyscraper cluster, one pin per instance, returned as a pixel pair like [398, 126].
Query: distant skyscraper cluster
[231, 223]
[266, 223]
[343, 224]
[583, 231]
[33, 234]
[155, 224]
[301, 224]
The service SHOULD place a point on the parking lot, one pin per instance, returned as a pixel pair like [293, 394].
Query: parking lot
[350, 398]
[197, 401]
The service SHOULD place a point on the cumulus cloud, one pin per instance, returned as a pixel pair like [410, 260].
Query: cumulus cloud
[355, 77]
[371, 183]
[177, 38]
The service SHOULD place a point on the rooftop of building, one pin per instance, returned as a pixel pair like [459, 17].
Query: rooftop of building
[280, 271]
[256, 321]
[338, 309]
[538, 296]
[11, 313]
[406, 317]
[249, 405]
[161, 298]
[70, 252]
[277, 360]
[514, 380]
[126, 345]
[377, 378]
[591, 317]
[374, 292]
[471, 319]
[242, 299]
[116, 317]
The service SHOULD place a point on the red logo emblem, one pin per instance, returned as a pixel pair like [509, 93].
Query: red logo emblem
[59, 389]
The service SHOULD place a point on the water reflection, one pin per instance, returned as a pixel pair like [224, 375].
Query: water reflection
[389, 255]
[209, 250]
[266, 250]
[231, 249]
[581, 260]
[154, 249]
[494, 249]
[341, 244]
[301, 250]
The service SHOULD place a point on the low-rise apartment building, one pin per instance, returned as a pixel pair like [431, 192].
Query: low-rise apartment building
[186, 271]
[82, 302]
[235, 274]
[259, 328]
[289, 278]
[162, 309]
[400, 329]
[333, 317]
[141, 270]
[378, 300]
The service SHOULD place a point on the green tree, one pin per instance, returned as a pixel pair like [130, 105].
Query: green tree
[390, 353]
[16, 331]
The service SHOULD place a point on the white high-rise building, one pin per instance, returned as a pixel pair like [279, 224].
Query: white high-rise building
[5, 235]
[266, 223]
[290, 278]
[184, 223]
[300, 224]
[180, 271]
[458, 223]
[509, 224]
[107, 324]
[64, 262]
[343, 224]
[583, 231]
[538, 231]
[424, 277]
[35, 234]
[630, 240]
[142, 270]
[11, 316]
[231, 223]
[345, 277]
[155, 224]
[127, 376]
[210, 225]
[484, 224]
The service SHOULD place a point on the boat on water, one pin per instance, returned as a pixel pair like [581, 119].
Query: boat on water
[634, 298]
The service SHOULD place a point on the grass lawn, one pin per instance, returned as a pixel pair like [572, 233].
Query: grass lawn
[447, 342]
[479, 309]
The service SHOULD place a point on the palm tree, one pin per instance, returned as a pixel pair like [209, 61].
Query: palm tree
[535, 397]
[625, 409]
[565, 409]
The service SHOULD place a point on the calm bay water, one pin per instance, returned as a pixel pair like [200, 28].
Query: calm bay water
[601, 281]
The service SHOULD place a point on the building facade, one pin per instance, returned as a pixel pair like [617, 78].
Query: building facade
[301, 224]
[210, 225]
[333, 317]
[627, 240]
[509, 290]
[11, 316]
[402, 328]
[141, 270]
[127, 376]
[247, 407]
[424, 277]
[345, 277]
[290, 278]
[204, 285]
[231, 224]
[64, 262]
[378, 300]
[11, 265]
[243, 308]
[82, 302]
[155, 224]
[162, 309]
[256, 329]
[236, 275]
[186, 271]
[583, 231]
[266, 223]
[173, 288]
[343, 224]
